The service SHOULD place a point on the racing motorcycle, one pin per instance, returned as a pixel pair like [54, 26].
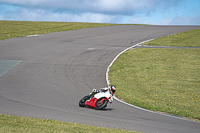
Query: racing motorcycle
[97, 99]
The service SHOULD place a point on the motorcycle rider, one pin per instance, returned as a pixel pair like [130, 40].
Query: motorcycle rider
[111, 90]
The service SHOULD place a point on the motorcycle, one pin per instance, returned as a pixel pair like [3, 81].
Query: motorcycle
[96, 99]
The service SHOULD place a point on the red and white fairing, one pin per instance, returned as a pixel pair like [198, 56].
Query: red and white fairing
[104, 95]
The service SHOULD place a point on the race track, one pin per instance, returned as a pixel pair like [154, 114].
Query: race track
[48, 74]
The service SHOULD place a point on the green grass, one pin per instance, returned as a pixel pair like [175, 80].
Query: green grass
[13, 29]
[165, 80]
[8, 123]
[158, 79]
[183, 39]
[17, 124]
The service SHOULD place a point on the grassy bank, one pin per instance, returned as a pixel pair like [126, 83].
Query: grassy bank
[145, 77]
[13, 29]
[183, 39]
[10, 124]
[165, 80]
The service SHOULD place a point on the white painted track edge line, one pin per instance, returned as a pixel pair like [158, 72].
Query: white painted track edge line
[108, 83]
[119, 55]
[32, 35]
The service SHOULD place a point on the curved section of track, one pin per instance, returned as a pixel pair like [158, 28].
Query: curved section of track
[58, 69]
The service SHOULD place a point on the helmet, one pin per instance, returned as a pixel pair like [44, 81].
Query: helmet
[112, 89]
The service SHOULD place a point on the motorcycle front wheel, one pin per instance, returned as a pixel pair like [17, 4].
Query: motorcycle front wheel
[83, 100]
[101, 104]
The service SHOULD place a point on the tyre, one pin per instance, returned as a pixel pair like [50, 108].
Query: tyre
[83, 100]
[101, 104]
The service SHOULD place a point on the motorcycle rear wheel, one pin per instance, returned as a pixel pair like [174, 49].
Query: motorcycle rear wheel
[100, 105]
[83, 100]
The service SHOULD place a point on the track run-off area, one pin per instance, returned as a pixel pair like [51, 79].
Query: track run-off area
[45, 76]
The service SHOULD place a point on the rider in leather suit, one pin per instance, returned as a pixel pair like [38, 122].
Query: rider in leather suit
[111, 90]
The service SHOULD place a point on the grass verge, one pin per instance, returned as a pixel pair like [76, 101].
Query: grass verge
[10, 124]
[165, 80]
[184, 39]
[13, 29]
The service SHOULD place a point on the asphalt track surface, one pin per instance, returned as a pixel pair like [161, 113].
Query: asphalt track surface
[56, 70]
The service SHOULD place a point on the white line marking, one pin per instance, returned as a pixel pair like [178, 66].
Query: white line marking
[108, 83]
[32, 35]
[91, 48]
[119, 55]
